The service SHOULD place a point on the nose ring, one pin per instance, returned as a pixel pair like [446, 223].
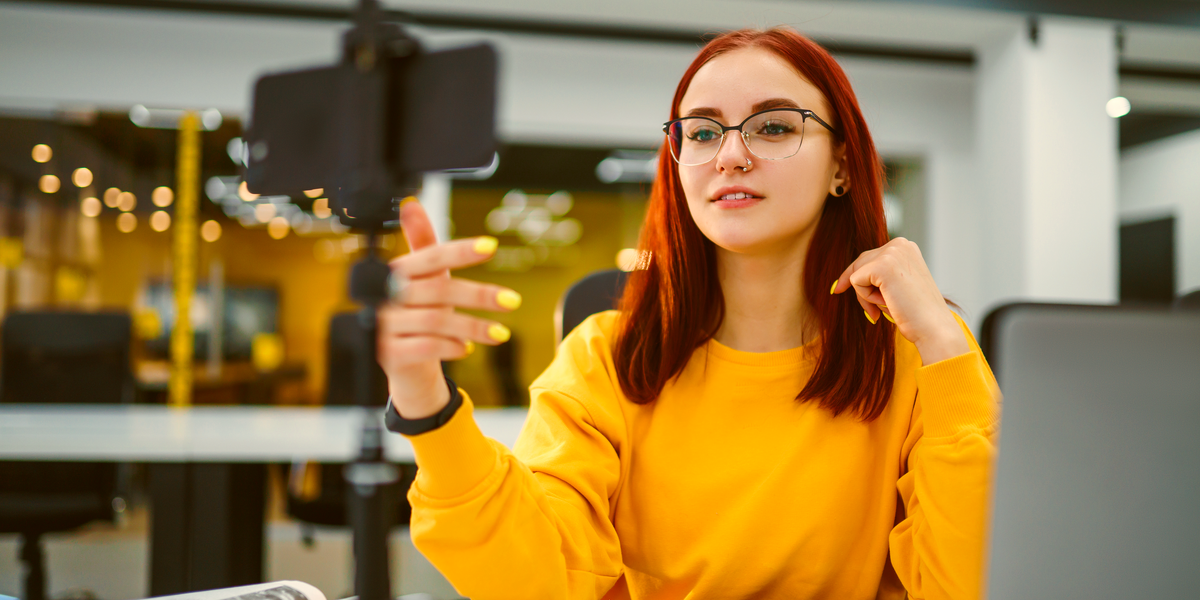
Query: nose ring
[747, 167]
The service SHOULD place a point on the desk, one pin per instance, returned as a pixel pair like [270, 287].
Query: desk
[207, 469]
[235, 383]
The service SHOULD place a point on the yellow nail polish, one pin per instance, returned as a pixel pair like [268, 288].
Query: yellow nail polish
[869, 317]
[831, 288]
[888, 317]
[408, 200]
[499, 333]
[470, 347]
[486, 244]
[509, 299]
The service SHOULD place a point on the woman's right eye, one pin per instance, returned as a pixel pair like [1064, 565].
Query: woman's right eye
[703, 135]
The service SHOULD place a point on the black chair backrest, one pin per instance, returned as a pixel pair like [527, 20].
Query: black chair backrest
[595, 293]
[66, 357]
[329, 506]
[61, 357]
[345, 337]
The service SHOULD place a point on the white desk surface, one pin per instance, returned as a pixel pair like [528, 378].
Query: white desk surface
[155, 433]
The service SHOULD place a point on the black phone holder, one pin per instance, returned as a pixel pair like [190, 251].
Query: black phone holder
[364, 130]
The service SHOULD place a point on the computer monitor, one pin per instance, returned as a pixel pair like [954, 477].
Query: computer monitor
[1097, 490]
[247, 311]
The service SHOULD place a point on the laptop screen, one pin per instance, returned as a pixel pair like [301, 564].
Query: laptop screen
[1097, 490]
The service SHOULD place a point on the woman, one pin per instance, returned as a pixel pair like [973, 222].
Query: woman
[740, 429]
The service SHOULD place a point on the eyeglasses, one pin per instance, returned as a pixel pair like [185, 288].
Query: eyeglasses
[770, 134]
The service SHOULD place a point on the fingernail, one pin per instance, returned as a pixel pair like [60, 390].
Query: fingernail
[888, 317]
[470, 347]
[407, 200]
[831, 288]
[869, 317]
[486, 244]
[499, 333]
[509, 299]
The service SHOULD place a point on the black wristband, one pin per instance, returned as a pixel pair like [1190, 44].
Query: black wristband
[398, 424]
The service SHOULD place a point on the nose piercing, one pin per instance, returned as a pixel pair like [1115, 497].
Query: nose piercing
[747, 167]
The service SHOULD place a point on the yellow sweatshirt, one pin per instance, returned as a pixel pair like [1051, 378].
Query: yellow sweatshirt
[723, 487]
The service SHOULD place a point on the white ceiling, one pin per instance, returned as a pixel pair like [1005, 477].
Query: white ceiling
[861, 22]
[63, 55]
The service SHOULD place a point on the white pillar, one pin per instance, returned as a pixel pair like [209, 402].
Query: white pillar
[1048, 163]
[435, 197]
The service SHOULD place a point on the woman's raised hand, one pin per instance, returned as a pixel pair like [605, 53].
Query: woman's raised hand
[893, 281]
[420, 327]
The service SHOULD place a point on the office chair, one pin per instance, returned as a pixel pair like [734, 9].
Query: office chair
[598, 292]
[325, 502]
[60, 357]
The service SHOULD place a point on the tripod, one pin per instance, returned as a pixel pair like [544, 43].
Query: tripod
[366, 128]
[370, 475]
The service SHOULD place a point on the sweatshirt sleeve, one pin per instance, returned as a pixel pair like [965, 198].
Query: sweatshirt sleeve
[534, 522]
[938, 548]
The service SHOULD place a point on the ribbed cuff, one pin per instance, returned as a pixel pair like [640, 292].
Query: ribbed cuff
[454, 458]
[957, 394]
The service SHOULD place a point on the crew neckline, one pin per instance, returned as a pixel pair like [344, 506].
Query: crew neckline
[790, 357]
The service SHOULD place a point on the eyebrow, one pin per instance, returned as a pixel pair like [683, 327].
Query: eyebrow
[774, 103]
[704, 111]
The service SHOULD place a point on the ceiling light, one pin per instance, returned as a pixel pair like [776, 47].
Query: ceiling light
[49, 184]
[162, 196]
[42, 153]
[1117, 107]
[160, 220]
[321, 208]
[126, 222]
[126, 201]
[627, 259]
[278, 228]
[82, 177]
[90, 207]
[245, 194]
[264, 212]
[626, 166]
[210, 231]
[168, 118]
[236, 149]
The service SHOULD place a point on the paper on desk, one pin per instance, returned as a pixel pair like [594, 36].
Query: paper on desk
[276, 590]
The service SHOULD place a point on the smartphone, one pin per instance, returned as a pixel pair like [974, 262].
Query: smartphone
[435, 110]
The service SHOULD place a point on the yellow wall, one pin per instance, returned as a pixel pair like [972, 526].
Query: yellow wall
[610, 223]
[310, 291]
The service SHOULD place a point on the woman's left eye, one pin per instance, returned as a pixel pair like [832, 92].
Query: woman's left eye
[775, 128]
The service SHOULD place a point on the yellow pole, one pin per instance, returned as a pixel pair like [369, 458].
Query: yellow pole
[183, 257]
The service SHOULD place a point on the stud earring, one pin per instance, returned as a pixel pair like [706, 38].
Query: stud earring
[839, 191]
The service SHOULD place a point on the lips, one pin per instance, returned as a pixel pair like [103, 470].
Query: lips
[738, 196]
[734, 193]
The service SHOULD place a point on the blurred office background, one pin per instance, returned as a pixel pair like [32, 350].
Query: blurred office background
[1035, 151]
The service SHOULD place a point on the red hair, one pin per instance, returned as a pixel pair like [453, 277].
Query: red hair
[675, 305]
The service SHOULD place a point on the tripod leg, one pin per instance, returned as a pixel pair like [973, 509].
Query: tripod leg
[35, 568]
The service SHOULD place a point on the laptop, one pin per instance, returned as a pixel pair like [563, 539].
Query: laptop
[1097, 491]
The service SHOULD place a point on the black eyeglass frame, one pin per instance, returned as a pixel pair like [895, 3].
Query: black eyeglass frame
[805, 115]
